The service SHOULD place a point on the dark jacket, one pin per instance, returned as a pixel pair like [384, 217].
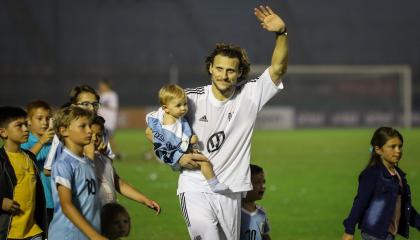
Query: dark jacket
[7, 184]
[374, 204]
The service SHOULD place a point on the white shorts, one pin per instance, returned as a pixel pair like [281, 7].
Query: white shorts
[212, 216]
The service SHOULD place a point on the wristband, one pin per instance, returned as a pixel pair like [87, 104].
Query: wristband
[284, 32]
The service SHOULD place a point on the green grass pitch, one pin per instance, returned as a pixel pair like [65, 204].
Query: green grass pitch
[311, 181]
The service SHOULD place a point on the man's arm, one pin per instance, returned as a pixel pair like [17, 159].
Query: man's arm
[273, 23]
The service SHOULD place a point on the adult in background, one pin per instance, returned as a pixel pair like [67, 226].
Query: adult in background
[109, 110]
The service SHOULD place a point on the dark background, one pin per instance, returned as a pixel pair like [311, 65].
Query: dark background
[46, 47]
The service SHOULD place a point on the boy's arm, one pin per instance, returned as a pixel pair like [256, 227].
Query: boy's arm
[74, 215]
[130, 192]
[9, 205]
[45, 138]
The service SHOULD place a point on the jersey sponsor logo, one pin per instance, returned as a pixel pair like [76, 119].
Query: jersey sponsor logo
[199, 90]
[165, 152]
[216, 141]
[91, 186]
[203, 119]
[158, 136]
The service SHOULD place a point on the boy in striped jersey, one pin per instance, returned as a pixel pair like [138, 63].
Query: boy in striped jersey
[254, 221]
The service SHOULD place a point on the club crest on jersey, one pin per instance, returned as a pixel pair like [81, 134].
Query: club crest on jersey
[229, 116]
[216, 141]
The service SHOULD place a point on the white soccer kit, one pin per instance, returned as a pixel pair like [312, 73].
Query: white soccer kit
[109, 110]
[224, 130]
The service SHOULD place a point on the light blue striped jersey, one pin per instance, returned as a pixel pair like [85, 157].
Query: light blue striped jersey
[254, 224]
[78, 175]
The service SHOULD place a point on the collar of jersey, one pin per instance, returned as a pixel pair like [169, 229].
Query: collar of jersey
[248, 212]
[80, 159]
[217, 102]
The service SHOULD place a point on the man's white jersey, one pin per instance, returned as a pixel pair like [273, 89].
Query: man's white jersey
[224, 130]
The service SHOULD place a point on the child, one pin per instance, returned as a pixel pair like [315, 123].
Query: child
[172, 135]
[109, 110]
[108, 179]
[115, 221]
[74, 184]
[254, 221]
[23, 213]
[83, 96]
[382, 207]
[39, 143]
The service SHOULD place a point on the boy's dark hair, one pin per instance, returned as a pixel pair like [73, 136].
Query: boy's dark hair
[255, 169]
[108, 212]
[37, 104]
[9, 114]
[379, 138]
[65, 116]
[98, 120]
[231, 51]
[77, 90]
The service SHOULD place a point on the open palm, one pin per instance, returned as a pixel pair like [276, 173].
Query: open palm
[269, 20]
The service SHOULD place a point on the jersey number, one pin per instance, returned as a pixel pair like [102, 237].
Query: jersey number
[91, 185]
[250, 234]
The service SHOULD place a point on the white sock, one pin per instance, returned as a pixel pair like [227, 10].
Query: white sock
[217, 186]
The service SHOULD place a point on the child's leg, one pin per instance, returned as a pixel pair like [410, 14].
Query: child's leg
[208, 173]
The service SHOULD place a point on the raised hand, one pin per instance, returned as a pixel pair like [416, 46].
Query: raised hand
[269, 20]
[47, 136]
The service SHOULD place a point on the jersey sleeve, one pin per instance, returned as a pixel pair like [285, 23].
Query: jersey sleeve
[266, 224]
[266, 227]
[262, 89]
[55, 150]
[63, 173]
[108, 151]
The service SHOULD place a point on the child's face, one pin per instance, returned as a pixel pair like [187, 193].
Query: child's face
[16, 131]
[78, 132]
[119, 226]
[97, 134]
[88, 100]
[391, 152]
[258, 185]
[177, 108]
[39, 121]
